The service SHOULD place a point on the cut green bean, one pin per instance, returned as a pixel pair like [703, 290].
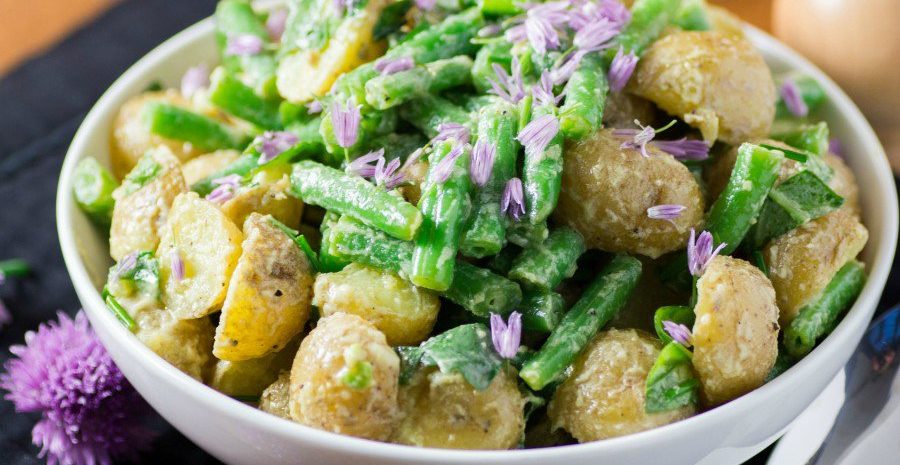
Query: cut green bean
[542, 311]
[499, 53]
[354, 196]
[812, 138]
[543, 266]
[599, 304]
[485, 232]
[236, 18]
[525, 234]
[240, 167]
[92, 187]
[482, 292]
[236, 98]
[391, 90]
[582, 112]
[648, 19]
[542, 176]
[118, 310]
[692, 16]
[819, 318]
[203, 132]
[502, 262]
[372, 124]
[671, 382]
[444, 205]
[499, 7]
[328, 263]
[429, 112]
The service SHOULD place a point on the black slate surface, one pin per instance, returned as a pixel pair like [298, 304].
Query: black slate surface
[41, 105]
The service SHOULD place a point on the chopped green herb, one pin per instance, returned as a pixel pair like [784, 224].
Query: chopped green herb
[118, 310]
[671, 383]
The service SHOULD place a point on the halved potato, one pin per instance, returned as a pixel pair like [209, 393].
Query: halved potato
[268, 300]
[276, 398]
[207, 164]
[251, 377]
[266, 198]
[140, 215]
[209, 246]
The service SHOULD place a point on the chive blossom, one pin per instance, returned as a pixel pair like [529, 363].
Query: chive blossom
[508, 86]
[506, 336]
[345, 121]
[621, 69]
[700, 252]
[243, 45]
[445, 167]
[177, 266]
[274, 143]
[666, 212]
[537, 134]
[482, 163]
[387, 66]
[512, 202]
[678, 332]
[793, 99]
[276, 22]
[194, 79]
[684, 149]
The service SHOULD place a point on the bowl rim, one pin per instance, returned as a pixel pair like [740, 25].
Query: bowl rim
[859, 314]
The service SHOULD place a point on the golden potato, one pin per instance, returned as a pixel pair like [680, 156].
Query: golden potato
[251, 377]
[623, 108]
[207, 164]
[140, 211]
[606, 191]
[604, 395]
[131, 139]
[403, 312]
[308, 74]
[725, 22]
[803, 261]
[716, 83]
[267, 198]
[344, 379]
[209, 246]
[736, 330]
[445, 411]
[843, 182]
[268, 300]
[415, 174]
[275, 399]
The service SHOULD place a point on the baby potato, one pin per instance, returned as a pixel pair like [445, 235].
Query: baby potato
[445, 411]
[403, 312]
[209, 245]
[803, 261]
[736, 329]
[607, 189]
[275, 399]
[604, 395]
[344, 379]
[719, 84]
[843, 182]
[131, 139]
[268, 300]
[251, 377]
[725, 22]
[623, 108]
[139, 216]
[266, 198]
[207, 164]
[308, 74]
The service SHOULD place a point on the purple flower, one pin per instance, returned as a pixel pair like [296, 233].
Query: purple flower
[835, 147]
[90, 414]
[563, 71]
[275, 23]
[537, 134]
[516, 33]
[177, 266]
[387, 174]
[226, 188]
[684, 149]
[508, 87]
[678, 332]
[314, 107]
[700, 252]
[666, 212]
[541, 34]
[194, 79]
[639, 139]
[455, 131]
[489, 31]
[506, 337]
[621, 69]
[362, 166]
[5, 316]
[597, 35]
[615, 11]
[426, 5]
[272, 144]
[243, 45]
[610, 10]
[394, 65]
[543, 91]
[513, 200]
[126, 265]
[482, 163]
[447, 165]
[793, 99]
[345, 121]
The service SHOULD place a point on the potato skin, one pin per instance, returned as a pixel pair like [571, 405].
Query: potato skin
[606, 191]
[445, 411]
[321, 400]
[623, 108]
[251, 377]
[843, 182]
[604, 395]
[139, 217]
[801, 262]
[268, 198]
[736, 329]
[719, 84]
[209, 245]
[207, 164]
[269, 294]
[275, 399]
[403, 312]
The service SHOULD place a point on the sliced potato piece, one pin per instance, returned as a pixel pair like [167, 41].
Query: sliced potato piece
[140, 215]
[266, 198]
[269, 296]
[276, 398]
[209, 246]
[207, 164]
[251, 377]
[403, 312]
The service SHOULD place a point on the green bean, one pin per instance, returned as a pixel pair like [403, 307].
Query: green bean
[444, 206]
[601, 300]
[671, 382]
[648, 19]
[93, 186]
[240, 167]
[499, 53]
[482, 292]
[390, 90]
[398, 145]
[502, 262]
[485, 232]
[542, 176]
[544, 266]
[812, 138]
[582, 112]
[328, 262]
[236, 98]
[692, 16]
[354, 196]
[235, 18]
[783, 362]
[812, 93]
[818, 318]
[525, 234]
[14, 267]
[499, 7]
[541, 311]
[428, 112]
[118, 310]
[392, 18]
[178, 123]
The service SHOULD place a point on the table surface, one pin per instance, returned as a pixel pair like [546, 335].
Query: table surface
[44, 101]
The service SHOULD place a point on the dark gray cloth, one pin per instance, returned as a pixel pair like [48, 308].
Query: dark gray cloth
[41, 105]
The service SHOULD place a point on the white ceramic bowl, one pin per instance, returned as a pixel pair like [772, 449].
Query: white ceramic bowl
[239, 434]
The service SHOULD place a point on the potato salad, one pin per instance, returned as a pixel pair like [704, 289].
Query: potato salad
[478, 225]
